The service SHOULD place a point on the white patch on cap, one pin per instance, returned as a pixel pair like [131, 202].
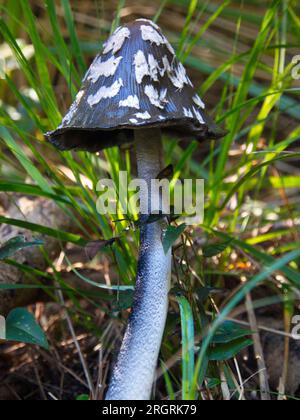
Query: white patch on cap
[199, 102]
[188, 113]
[79, 96]
[179, 77]
[166, 66]
[68, 117]
[161, 117]
[150, 34]
[145, 68]
[148, 21]
[130, 102]
[163, 95]
[143, 115]
[157, 99]
[116, 41]
[198, 116]
[153, 67]
[105, 68]
[141, 66]
[133, 121]
[105, 92]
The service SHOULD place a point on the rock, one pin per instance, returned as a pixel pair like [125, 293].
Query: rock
[39, 211]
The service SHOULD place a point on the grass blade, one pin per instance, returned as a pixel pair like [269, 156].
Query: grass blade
[188, 345]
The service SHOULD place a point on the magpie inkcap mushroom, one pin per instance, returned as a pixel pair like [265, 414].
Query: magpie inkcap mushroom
[136, 82]
[135, 91]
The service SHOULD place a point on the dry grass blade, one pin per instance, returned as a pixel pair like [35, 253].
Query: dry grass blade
[77, 345]
[259, 355]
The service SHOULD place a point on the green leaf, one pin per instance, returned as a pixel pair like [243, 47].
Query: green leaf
[123, 301]
[204, 28]
[188, 345]
[171, 235]
[168, 382]
[264, 258]
[230, 331]
[76, 49]
[252, 172]
[28, 71]
[16, 244]
[61, 47]
[54, 233]
[227, 351]
[21, 326]
[204, 292]
[119, 288]
[210, 251]
[28, 189]
[41, 53]
[83, 397]
[148, 220]
[166, 173]
[184, 34]
[94, 247]
[213, 382]
[30, 168]
[247, 287]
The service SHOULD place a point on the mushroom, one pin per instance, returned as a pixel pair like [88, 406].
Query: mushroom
[135, 91]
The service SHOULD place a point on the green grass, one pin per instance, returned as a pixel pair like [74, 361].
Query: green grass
[252, 103]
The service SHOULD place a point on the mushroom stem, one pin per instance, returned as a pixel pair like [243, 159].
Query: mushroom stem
[134, 372]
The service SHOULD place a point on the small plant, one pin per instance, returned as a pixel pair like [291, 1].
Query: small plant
[20, 324]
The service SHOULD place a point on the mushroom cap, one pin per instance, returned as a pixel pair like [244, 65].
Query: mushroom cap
[136, 83]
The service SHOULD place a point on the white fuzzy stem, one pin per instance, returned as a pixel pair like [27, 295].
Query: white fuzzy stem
[134, 372]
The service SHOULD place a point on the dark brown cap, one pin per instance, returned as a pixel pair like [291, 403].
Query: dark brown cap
[137, 82]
